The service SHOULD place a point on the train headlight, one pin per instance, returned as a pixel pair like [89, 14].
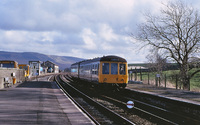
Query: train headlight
[105, 79]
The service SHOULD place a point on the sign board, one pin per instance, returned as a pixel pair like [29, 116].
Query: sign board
[13, 74]
[130, 104]
[158, 75]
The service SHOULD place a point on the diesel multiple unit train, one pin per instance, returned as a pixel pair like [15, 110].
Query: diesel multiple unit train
[106, 70]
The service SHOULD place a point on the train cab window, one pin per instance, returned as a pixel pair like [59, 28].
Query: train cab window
[122, 69]
[105, 68]
[114, 68]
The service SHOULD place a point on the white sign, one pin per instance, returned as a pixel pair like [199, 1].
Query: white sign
[130, 104]
[13, 74]
[6, 79]
[157, 75]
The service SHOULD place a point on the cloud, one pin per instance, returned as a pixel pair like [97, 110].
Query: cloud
[36, 15]
[81, 28]
[88, 37]
[106, 32]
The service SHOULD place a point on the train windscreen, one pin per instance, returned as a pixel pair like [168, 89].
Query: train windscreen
[105, 68]
[114, 68]
[122, 69]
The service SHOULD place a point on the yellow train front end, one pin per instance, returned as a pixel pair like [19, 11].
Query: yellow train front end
[113, 73]
[105, 71]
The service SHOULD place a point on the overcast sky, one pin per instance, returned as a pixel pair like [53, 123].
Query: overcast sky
[79, 28]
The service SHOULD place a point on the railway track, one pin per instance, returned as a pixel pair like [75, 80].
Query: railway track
[96, 111]
[176, 112]
[154, 113]
[117, 103]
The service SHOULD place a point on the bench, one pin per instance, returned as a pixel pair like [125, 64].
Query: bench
[7, 85]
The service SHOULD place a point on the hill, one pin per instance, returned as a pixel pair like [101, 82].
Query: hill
[24, 57]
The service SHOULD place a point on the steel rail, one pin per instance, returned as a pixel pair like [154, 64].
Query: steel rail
[160, 113]
[88, 114]
[164, 111]
[122, 104]
[164, 114]
[112, 115]
[153, 117]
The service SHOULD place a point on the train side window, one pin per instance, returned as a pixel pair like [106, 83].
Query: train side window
[97, 68]
[122, 69]
[92, 69]
[114, 68]
[105, 67]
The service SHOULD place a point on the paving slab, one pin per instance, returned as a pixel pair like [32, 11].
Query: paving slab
[38, 103]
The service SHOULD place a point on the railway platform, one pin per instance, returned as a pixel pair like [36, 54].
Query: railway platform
[175, 94]
[38, 102]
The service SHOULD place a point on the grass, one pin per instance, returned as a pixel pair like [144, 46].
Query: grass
[195, 82]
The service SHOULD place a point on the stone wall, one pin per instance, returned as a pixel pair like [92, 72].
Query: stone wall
[6, 76]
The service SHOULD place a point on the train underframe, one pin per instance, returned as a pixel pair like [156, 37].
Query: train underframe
[96, 84]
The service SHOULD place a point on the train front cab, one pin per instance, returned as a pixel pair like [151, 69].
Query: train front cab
[113, 73]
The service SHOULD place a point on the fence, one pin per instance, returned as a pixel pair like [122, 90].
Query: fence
[152, 78]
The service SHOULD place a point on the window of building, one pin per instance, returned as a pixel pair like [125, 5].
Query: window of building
[8, 65]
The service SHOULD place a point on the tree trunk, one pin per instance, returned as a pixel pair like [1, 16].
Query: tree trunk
[186, 83]
[184, 77]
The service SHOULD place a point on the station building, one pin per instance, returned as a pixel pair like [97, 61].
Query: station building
[35, 67]
[26, 68]
[51, 67]
[10, 73]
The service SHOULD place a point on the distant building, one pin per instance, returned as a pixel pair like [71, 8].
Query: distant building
[51, 67]
[26, 68]
[45, 68]
[35, 67]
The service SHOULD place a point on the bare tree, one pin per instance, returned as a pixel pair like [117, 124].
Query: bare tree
[156, 62]
[176, 34]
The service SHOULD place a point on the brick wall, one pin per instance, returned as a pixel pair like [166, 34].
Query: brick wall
[5, 73]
